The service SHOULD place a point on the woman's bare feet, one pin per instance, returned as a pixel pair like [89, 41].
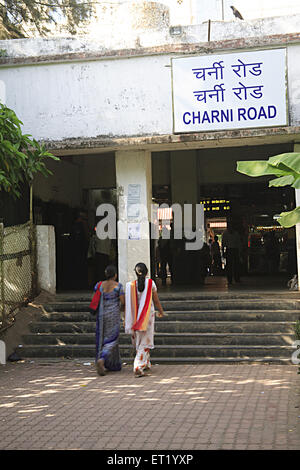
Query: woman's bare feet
[138, 373]
[100, 367]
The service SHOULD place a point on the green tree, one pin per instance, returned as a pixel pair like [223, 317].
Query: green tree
[21, 156]
[19, 17]
[286, 168]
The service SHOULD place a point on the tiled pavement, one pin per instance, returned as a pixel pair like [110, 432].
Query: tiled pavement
[66, 405]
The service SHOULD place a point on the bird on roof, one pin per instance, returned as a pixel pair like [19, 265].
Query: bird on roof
[236, 13]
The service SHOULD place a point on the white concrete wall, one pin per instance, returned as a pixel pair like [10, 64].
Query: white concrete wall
[90, 99]
[125, 97]
[293, 64]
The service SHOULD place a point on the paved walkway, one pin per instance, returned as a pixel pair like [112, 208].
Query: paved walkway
[66, 405]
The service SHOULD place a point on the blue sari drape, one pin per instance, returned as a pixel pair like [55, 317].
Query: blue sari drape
[108, 328]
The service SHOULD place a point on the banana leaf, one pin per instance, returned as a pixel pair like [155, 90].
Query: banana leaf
[256, 168]
[286, 161]
[289, 219]
[286, 168]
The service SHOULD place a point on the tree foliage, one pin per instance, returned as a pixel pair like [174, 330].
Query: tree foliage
[21, 156]
[24, 18]
[286, 168]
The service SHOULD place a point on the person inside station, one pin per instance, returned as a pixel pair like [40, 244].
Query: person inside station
[216, 257]
[165, 254]
[79, 249]
[231, 248]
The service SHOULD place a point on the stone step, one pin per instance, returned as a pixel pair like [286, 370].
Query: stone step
[195, 339]
[162, 351]
[198, 328]
[184, 295]
[190, 315]
[241, 327]
[233, 304]
[188, 304]
[173, 327]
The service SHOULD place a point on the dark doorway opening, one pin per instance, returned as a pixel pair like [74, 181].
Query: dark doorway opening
[268, 251]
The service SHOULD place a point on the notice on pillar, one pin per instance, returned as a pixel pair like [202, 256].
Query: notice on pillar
[134, 231]
[229, 91]
[133, 201]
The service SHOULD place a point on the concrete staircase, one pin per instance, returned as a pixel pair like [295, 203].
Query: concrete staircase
[218, 327]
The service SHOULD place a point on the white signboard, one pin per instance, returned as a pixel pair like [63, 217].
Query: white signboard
[134, 231]
[229, 91]
[133, 200]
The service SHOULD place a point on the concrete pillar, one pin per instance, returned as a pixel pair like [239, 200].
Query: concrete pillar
[134, 184]
[297, 197]
[46, 262]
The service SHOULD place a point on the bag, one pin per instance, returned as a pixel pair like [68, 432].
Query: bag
[93, 307]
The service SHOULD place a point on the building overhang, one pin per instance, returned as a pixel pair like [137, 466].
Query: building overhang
[158, 143]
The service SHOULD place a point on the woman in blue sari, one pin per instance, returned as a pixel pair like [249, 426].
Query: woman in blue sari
[110, 296]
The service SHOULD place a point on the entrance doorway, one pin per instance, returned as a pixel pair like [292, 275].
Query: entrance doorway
[100, 253]
[68, 200]
[267, 255]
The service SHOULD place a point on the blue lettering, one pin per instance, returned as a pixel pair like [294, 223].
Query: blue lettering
[215, 115]
[196, 117]
[241, 114]
[184, 119]
[205, 117]
[270, 108]
[262, 113]
[250, 112]
[225, 115]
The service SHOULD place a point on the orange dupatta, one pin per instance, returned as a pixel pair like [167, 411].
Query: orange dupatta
[142, 312]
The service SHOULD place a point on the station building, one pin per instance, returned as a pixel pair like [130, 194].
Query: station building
[161, 119]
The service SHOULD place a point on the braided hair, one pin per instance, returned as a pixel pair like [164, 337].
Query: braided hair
[141, 272]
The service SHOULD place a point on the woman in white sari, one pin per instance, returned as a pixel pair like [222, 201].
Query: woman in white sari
[140, 298]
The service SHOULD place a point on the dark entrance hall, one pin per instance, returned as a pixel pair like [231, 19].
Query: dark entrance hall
[267, 256]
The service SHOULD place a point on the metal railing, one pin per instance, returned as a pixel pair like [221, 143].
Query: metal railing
[17, 269]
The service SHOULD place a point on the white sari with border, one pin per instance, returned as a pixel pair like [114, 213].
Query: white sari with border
[142, 341]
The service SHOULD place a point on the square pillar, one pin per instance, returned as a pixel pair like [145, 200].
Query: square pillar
[134, 188]
[46, 264]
